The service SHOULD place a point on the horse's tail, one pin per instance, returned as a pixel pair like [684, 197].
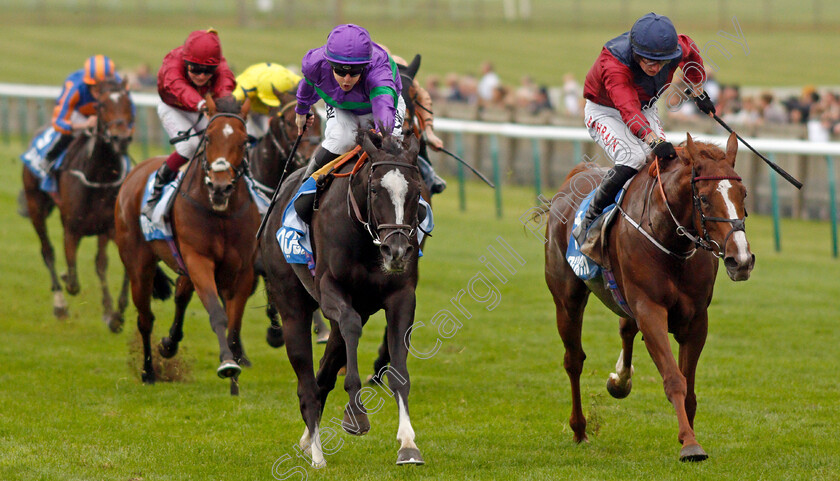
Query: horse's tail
[581, 167]
[162, 286]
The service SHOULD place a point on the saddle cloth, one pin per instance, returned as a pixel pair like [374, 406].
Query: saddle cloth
[293, 236]
[159, 228]
[584, 266]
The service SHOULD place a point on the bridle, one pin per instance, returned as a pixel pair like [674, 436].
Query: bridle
[103, 129]
[219, 166]
[285, 138]
[370, 223]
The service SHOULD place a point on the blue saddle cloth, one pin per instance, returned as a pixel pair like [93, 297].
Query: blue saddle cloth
[35, 158]
[294, 238]
[158, 228]
[584, 267]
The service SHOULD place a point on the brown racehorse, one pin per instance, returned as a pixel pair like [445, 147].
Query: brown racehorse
[365, 240]
[665, 266]
[88, 181]
[268, 160]
[214, 221]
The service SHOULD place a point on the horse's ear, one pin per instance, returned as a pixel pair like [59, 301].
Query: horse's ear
[731, 149]
[124, 84]
[367, 145]
[691, 148]
[246, 106]
[412, 146]
[413, 67]
[211, 105]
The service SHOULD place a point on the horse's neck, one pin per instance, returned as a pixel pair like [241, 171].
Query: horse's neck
[658, 217]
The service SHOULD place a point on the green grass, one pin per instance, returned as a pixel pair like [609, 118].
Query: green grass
[782, 49]
[493, 403]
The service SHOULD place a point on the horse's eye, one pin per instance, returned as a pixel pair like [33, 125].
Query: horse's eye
[704, 199]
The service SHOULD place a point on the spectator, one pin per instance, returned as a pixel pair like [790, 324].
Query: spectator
[572, 95]
[489, 81]
[142, 78]
[525, 94]
[541, 101]
[771, 112]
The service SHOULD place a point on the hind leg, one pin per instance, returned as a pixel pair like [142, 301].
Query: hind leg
[620, 382]
[111, 318]
[319, 327]
[168, 346]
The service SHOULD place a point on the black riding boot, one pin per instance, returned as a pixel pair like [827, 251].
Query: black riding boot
[163, 176]
[435, 184]
[303, 204]
[60, 146]
[604, 196]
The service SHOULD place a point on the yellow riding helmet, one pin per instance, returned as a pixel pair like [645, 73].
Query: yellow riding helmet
[275, 77]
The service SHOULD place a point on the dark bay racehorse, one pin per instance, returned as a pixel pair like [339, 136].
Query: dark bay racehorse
[665, 261]
[365, 242]
[88, 181]
[214, 221]
[268, 158]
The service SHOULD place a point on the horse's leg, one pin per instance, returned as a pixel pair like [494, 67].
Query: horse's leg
[102, 272]
[334, 358]
[274, 334]
[122, 303]
[620, 382]
[202, 274]
[382, 359]
[168, 346]
[400, 316]
[337, 306]
[39, 206]
[71, 248]
[320, 327]
[691, 345]
[235, 307]
[142, 275]
[654, 327]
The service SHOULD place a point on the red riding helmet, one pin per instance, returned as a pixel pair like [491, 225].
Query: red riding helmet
[97, 69]
[203, 47]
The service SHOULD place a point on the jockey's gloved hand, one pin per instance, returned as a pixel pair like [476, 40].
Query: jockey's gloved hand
[705, 104]
[663, 149]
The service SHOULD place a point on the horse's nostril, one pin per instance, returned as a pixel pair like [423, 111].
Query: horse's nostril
[228, 188]
[730, 262]
[386, 251]
[409, 250]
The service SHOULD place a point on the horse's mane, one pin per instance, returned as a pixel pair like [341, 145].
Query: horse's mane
[228, 105]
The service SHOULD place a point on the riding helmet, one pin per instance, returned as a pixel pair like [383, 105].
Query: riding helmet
[654, 37]
[203, 47]
[349, 45]
[97, 69]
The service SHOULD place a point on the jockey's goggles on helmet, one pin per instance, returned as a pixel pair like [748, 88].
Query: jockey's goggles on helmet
[652, 63]
[341, 69]
[198, 69]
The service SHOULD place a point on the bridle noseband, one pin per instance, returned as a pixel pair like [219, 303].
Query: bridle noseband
[374, 228]
[202, 149]
[737, 224]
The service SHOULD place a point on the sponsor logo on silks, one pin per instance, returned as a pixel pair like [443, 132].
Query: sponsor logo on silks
[289, 240]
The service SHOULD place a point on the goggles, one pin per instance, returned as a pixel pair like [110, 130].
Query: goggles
[198, 69]
[343, 69]
[653, 63]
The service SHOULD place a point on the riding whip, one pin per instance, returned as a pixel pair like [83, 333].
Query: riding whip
[282, 175]
[479, 174]
[772, 165]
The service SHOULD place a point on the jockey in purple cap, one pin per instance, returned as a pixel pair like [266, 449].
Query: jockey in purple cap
[361, 86]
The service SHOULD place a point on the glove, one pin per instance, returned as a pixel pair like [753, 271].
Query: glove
[663, 149]
[704, 103]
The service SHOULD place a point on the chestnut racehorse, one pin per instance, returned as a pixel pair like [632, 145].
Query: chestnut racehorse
[214, 222]
[88, 180]
[365, 241]
[663, 249]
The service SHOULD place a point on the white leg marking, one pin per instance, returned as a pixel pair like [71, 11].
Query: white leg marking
[305, 443]
[621, 375]
[59, 301]
[318, 460]
[739, 238]
[396, 185]
[405, 433]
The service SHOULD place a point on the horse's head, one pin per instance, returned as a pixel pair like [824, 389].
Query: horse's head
[718, 199]
[225, 141]
[393, 192]
[115, 114]
[283, 128]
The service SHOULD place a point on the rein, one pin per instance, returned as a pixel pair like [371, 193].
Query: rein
[705, 242]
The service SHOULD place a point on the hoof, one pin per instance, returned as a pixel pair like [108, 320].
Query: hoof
[167, 348]
[274, 337]
[617, 391]
[360, 427]
[693, 453]
[228, 369]
[148, 377]
[323, 337]
[72, 287]
[115, 323]
[61, 312]
[243, 361]
[409, 456]
[319, 465]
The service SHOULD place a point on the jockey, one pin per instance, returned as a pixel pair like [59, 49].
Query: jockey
[259, 82]
[425, 117]
[360, 84]
[621, 89]
[188, 73]
[75, 108]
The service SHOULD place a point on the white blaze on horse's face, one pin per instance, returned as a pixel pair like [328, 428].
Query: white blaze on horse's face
[739, 237]
[228, 130]
[397, 186]
[220, 164]
[115, 96]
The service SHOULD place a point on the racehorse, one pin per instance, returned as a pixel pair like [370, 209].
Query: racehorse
[214, 221]
[88, 180]
[268, 160]
[673, 226]
[365, 245]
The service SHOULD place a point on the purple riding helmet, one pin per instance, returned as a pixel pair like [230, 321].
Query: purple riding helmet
[348, 47]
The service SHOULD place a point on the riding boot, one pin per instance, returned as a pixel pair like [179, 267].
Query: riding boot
[55, 152]
[304, 203]
[435, 184]
[163, 176]
[604, 196]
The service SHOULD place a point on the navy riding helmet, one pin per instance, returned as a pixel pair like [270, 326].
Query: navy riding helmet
[654, 37]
